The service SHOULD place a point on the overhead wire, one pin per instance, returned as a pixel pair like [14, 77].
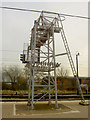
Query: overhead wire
[10, 51]
[48, 12]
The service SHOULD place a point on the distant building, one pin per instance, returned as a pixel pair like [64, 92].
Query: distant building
[70, 82]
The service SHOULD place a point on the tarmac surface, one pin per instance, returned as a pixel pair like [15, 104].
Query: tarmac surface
[67, 109]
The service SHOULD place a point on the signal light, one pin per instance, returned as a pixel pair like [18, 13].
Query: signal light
[22, 58]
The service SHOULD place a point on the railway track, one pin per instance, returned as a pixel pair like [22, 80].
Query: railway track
[12, 98]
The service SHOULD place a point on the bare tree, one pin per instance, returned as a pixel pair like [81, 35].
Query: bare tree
[61, 74]
[11, 74]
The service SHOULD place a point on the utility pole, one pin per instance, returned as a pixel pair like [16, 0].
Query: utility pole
[77, 68]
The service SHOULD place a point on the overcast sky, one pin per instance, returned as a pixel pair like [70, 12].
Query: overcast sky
[16, 26]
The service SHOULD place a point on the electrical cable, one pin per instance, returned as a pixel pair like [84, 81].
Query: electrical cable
[39, 11]
[10, 51]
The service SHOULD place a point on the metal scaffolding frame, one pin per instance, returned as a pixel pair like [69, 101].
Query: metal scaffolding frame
[41, 57]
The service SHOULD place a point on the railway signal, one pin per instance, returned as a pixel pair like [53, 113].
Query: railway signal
[22, 58]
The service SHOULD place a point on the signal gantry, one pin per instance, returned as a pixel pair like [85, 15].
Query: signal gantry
[40, 55]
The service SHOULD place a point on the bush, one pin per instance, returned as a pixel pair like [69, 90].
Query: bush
[6, 86]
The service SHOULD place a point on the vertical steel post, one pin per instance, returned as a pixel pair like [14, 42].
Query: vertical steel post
[49, 72]
[32, 68]
[29, 92]
[32, 72]
[38, 54]
[56, 103]
[30, 80]
[77, 69]
[77, 63]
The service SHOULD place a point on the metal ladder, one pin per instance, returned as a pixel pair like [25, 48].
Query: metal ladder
[70, 58]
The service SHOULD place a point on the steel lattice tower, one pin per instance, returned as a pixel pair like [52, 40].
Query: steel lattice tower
[40, 54]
